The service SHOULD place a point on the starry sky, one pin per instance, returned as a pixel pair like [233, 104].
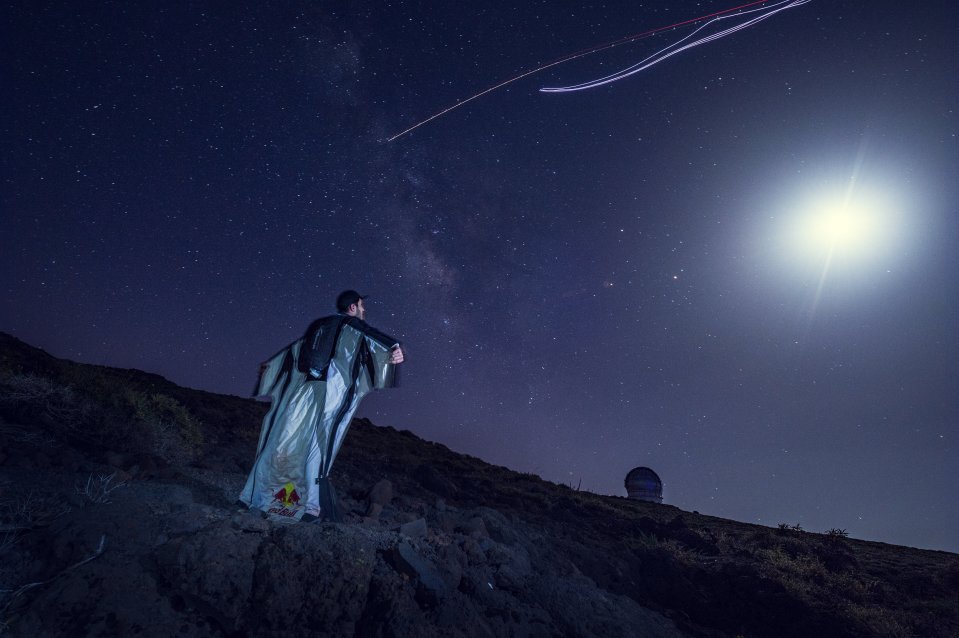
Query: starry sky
[584, 282]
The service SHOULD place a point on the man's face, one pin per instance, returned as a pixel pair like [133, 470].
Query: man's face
[360, 310]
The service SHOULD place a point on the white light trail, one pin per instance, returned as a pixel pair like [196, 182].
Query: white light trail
[678, 47]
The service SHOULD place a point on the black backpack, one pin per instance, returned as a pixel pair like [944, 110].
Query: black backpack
[319, 346]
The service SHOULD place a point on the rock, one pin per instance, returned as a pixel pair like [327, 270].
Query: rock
[474, 527]
[415, 529]
[477, 583]
[381, 493]
[500, 529]
[474, 553]
[250, 522]
[431, 588]
[513, 566]
[379, 497]
[509, 579]
[446, 521]
[406, 517]
[189, 519]
[391, 609]
[311, 580]
[452, 563]
[350, 505]
[459, 616]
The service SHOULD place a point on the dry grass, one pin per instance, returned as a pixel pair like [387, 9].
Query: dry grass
[98, 488]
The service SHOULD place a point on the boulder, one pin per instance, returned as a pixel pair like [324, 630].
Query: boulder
[415, 529]
[431, 588]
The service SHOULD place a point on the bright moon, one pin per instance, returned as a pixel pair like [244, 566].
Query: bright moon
[843, 227]
[852, 228]
[839, 233]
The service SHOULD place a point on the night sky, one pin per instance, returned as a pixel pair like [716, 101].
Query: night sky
[585, 282]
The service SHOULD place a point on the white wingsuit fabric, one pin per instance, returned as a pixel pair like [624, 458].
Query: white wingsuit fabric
[305, 426]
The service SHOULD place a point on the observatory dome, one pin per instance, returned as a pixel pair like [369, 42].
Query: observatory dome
[643, 484]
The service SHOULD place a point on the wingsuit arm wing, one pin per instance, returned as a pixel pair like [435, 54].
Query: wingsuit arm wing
[380, 337]
[382, 372]
[274, 368]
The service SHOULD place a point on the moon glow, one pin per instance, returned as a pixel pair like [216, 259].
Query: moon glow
[838, 235]
[837, 231]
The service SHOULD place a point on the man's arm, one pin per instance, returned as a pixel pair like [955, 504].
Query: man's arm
[396, 350]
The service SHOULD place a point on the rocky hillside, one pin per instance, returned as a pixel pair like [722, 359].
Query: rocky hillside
[117, 517]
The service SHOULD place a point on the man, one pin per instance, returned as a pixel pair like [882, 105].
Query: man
[316, 383]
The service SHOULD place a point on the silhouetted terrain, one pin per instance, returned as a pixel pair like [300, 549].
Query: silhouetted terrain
[117, 517]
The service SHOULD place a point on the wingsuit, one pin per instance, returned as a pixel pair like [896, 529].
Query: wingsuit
[315, 383]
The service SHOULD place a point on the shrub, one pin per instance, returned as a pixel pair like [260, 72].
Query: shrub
[32, 398]
[29, 511]
[103, 412]
[836, 533]
[643, 542]
[786, 527]
[174, 434]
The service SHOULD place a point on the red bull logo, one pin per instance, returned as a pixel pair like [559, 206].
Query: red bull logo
[285, 501]
[287, 495]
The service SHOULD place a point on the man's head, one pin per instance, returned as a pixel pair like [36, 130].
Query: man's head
[350, 302]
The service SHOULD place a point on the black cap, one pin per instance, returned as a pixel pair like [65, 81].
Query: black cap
[347, 298]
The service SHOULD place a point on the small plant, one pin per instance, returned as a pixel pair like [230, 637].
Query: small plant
[8, 538]
[837, 533]
[25, 513]
[644, 541]
[786, 527]
[727, 543]
[98, 490]
[25, 434]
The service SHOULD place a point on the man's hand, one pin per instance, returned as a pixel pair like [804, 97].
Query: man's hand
[396, 355]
